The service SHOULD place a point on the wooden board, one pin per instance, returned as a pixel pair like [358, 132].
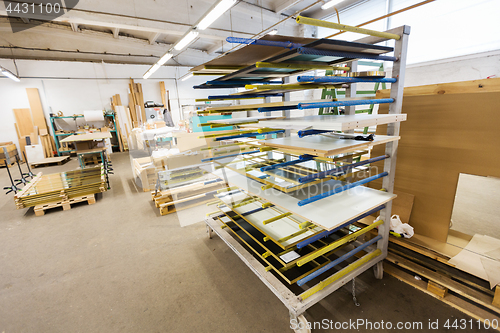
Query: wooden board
[346, 205]
[87, 137]
[36, 108]
[334, 123]
[440, 140]
[324, 146]
[24, 121]
[50, 160]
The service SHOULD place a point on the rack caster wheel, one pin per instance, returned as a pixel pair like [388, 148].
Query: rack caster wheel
[302, 325]
[378, 270]
[209, 232]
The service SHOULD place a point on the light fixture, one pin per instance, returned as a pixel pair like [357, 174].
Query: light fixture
[9, 74]
[151, 71]
[187, 76]
[215, 13]
[165, 58]
[186, 40]
[330, 4]
[273, 32]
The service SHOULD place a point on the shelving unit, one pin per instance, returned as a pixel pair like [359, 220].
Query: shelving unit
[59, 136]
[292, 204]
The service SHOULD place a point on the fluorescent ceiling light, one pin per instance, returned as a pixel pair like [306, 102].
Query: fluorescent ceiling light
[215, 13]
[165, 58]
[186, 40]
[9, 74]
[187, 76]
[273, 32]
[330, 4]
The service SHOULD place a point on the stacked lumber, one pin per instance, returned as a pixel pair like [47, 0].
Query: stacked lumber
[52, 188]
[31, 125]
[123, 119]
[187, 196]
[8, 152]
[454, 287]
[136, 104]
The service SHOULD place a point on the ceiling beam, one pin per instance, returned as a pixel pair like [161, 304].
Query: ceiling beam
[281, 6]
[154, 37]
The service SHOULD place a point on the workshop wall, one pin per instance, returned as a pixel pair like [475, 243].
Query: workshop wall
[73, 87]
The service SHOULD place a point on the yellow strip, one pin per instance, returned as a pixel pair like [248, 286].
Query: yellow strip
[246, 202]
[213, 202]
[227, 189]
[263, 149]
[339, 274]
[299, 66]
[266, 239]
[305, 225]
[276, 218]
[265, 187]
[267, 204]
[265, 130]
[284, 239]
[223, 134]
[242, 123]
[326, 24]
[336, 244]
[268, 268]
[266, 254]
[217, 211]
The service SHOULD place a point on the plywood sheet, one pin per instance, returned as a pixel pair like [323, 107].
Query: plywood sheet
[327, 213]
[445, 135]
[36, 108]
[334, 123]
[477, 204]
[323, 146]
[87, 137]
[24, 122]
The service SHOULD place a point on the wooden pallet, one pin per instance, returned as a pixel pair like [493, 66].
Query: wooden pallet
[50, 161]
[472, 299]
[65, 204]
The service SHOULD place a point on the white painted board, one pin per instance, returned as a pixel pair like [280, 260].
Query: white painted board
[327, 213]
[34, 153]
[333, 123]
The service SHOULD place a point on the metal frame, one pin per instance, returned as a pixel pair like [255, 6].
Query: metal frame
[298, 304]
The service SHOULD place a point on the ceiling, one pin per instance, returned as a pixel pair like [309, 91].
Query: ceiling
[141, 31]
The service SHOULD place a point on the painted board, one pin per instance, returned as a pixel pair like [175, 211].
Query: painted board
[323, 146]
[334, 123]
[440, 140]
[327, 213]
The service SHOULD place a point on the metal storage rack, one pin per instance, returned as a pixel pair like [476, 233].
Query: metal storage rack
[57, 136]
[255, 180]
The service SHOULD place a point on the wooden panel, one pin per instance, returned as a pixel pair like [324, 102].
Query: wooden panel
[323, 146]
[445, 135]
[333, 123]
[24, 122]
[346, 205]
[88, 137]
[36, 108]
[463, 87]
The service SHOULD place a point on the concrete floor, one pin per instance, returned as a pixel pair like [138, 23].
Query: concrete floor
[117, 266]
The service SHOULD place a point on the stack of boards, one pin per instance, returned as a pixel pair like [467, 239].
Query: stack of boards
[61, 187]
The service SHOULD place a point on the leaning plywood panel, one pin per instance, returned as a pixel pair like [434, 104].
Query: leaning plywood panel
[36, 108]
[445, 135]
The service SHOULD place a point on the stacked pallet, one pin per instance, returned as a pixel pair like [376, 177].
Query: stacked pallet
[187, 196]
[61, 187]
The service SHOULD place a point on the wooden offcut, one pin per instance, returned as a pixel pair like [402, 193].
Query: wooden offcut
[437, 289]
[441, 139]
